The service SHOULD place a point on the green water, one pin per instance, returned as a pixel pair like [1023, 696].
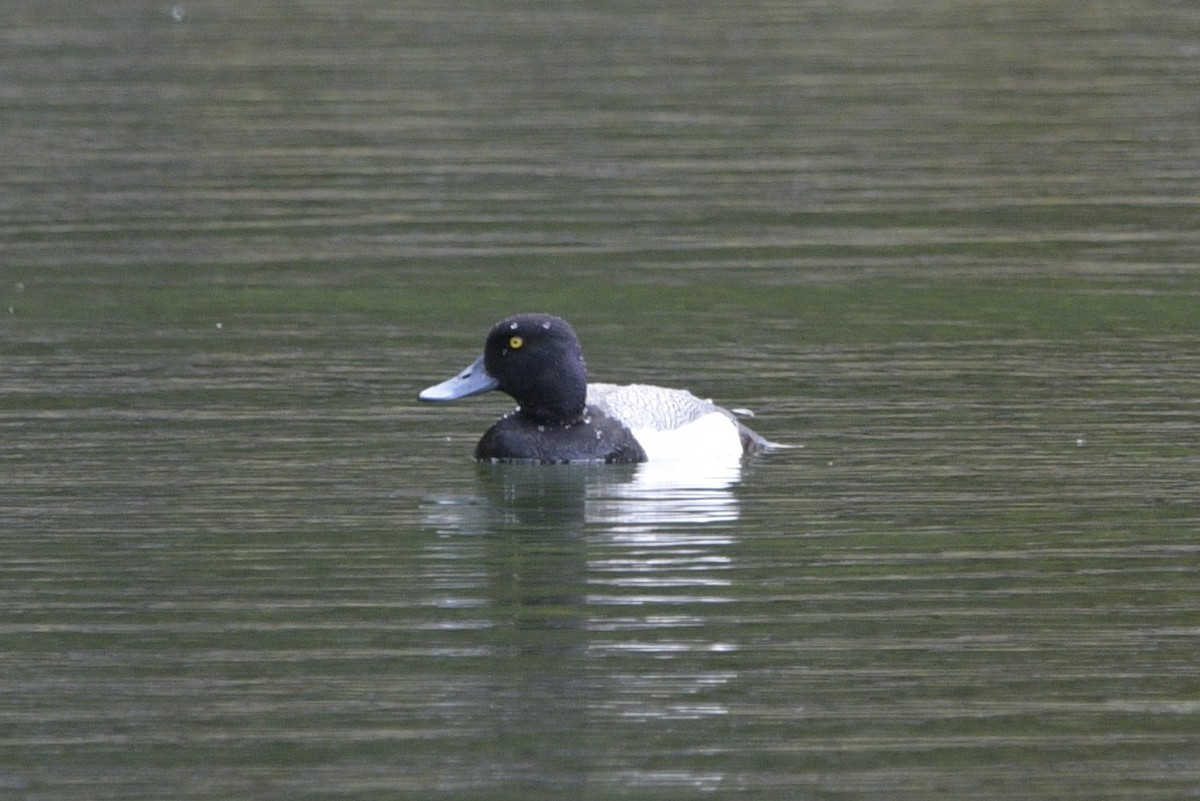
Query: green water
[948, 250]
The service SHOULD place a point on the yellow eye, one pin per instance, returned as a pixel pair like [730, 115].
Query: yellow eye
[515, 342]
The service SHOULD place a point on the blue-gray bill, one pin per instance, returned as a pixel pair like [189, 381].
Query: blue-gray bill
[471, 381]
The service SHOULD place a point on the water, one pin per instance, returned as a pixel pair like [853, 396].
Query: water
[948, 251]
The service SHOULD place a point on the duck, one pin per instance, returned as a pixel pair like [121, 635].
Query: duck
[560, 418]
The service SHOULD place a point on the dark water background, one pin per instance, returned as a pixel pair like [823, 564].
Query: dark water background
[951, 249]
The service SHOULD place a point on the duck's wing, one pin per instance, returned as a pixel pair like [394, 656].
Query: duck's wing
[642, 406]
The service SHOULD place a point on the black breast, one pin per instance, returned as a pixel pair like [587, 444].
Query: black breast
[595, 438]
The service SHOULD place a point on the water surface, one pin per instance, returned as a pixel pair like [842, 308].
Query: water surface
[948, 251]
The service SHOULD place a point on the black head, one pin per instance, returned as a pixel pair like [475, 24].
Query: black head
[536, 358]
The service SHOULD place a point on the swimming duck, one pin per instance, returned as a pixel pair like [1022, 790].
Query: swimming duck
[560, 418]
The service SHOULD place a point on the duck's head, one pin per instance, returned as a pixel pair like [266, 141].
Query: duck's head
[535, 358]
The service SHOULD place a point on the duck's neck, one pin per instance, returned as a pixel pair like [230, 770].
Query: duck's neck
[556, 398]
[557, 413]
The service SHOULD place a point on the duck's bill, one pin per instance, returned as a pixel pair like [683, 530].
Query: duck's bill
[472, 381]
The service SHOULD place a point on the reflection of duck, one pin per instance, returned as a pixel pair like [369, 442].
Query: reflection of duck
[556, 505]
[670, 492]
[537, 359]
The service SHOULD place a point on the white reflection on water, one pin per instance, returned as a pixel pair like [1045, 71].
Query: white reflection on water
[669, 492]
[665, 537]
[652, 535]
[586, 590]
